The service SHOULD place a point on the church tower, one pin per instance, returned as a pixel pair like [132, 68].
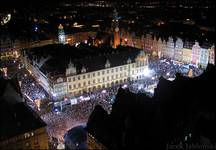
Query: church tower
[115, 29]
[61, 34]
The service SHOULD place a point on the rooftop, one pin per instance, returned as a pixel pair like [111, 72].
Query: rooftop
[92, 58]
[16, 117]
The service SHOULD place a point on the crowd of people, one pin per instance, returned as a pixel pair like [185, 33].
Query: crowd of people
[69, 116]
[59, 123]
[30, 87]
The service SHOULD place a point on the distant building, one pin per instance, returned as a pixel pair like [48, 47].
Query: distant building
[61, 34]
[21, 127]
[148, 44]
[186, 55]
[204, 56]
[97, 68]
[212, 54]
[178, 50]
[169, 51]
[116, 33]
[195, 53]
[155, 46]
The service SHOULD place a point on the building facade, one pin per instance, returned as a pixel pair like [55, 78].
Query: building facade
[212, 54]
[204, 56]
[107, 77]
[178, 49]
[196, 53]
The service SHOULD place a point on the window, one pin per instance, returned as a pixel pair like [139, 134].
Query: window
[84, 84]
[83, 76]
[120, 75]
[79, 85]
[69, 86]
[125, 67]
[116, 69]
[93, 74]
[88, 75]
[120, 68]
[98, 80]
[112, 70]
[78, 77]
[107, 71]
[103, 79]
[69, 79]
[74, 78]
[112, 77]
[98, 73]
[116, 76]
[103, 72]
[89, 82]
[74, 86]
[108, 78]
[93, 81]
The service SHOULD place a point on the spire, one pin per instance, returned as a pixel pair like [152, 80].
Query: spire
[60, 27]
[107, 65]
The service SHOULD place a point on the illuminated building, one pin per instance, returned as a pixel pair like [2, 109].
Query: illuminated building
[204, 56]
[115, 26]
[21, 127]
[178, 49]
[148, 42]
[186, 55]
[212, 54]
[155, 47]
[98, 68]
[195, 53]
[61, 34]
[169, 50]
[187, 52]
[160, 47]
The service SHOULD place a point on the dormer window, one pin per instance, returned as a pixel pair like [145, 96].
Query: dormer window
[129, 61]
[107, 65]
[83, 70]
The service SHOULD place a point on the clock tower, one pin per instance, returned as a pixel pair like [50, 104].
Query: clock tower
[115, 29]
[61, 34]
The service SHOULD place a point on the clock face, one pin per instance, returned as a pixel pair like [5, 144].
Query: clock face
[116, 29]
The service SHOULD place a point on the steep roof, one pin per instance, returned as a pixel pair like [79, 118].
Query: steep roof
[92, 58]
